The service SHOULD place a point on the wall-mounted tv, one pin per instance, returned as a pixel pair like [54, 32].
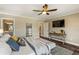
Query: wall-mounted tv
[58, 23]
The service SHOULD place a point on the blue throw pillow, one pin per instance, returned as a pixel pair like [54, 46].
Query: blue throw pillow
[13, 44]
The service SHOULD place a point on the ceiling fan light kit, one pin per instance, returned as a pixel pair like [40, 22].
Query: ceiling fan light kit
[45, 10]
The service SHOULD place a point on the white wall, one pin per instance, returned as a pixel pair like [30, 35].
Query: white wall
[46, 29]
[71, 28]
[20, 25]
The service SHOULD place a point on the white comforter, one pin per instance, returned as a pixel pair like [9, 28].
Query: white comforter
[40, 48]
[50, 45]
[4, 48]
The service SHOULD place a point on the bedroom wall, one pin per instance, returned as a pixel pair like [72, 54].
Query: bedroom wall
[20, 25]
[71, 28]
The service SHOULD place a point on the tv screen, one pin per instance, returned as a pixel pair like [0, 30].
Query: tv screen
[58, 23]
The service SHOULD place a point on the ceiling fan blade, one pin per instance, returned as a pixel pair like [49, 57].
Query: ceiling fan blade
[40, 13]
[37, 10]
[51, 10]
[44, 10]
[47, 13]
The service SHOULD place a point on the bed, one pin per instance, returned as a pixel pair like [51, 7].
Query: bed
[49, 44]
[33, 47]
[42, 46]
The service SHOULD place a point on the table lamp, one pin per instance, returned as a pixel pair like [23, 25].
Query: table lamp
[1, 32]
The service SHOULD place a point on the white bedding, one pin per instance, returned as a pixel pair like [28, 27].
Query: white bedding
[4, 48]
[27, 50]
[40, 48]
[50, 45]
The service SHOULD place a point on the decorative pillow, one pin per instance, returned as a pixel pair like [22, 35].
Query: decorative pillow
[21, 42]
[14, 46]
[14, 37]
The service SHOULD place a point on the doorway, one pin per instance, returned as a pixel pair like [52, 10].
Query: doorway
[41, 30]
[8, 26]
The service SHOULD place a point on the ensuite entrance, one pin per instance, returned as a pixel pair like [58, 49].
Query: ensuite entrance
[8, 26]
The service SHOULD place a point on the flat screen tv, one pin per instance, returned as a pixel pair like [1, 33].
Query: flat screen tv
[58, 23]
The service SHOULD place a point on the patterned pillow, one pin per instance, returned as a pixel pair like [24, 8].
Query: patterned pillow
[21, 42]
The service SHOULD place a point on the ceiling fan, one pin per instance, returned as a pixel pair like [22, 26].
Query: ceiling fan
[45, 10]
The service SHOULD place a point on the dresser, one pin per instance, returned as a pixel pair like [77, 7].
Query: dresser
[57, 36]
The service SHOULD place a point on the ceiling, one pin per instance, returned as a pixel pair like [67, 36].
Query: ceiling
[25, 10]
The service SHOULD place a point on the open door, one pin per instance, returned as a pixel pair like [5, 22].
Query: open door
[41, 30]
[8, 26]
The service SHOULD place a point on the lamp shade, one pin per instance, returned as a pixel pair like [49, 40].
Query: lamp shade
[1, 31]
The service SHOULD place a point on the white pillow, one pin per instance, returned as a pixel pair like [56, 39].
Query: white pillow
[4, 48]
[5, 37]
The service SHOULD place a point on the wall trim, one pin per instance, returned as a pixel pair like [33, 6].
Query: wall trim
[76, 44]
[14, 15]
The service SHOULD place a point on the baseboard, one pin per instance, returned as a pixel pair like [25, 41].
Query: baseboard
[75, 44]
